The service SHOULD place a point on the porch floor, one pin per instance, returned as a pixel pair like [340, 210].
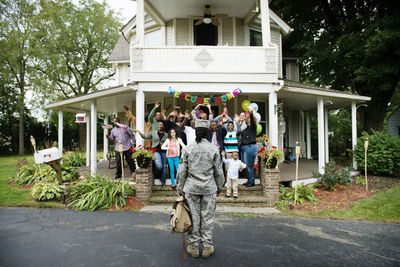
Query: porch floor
[288, 169]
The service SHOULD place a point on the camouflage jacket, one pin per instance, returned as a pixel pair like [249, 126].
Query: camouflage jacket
[200, 169]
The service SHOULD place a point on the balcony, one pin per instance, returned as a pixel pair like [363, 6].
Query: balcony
[194, 60]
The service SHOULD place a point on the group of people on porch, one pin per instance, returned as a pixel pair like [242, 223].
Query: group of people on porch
[168, 135]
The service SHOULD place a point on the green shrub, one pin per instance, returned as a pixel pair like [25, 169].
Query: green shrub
[31, 173]
[333, 176]
[96, 193]
[47, 191]
[75, 159]
[304, 192]
[383, 155]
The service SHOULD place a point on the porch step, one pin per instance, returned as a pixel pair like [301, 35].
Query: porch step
[243, 191]
[259, 200]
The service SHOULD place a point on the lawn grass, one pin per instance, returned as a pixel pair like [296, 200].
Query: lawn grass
[13, 196]
[383, 207]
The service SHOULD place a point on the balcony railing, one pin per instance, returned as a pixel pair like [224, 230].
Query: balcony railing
[205, 59]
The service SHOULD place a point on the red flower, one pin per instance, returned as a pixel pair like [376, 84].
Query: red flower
[255, 166]
[131, 150]
[284, 149]
[274, 147]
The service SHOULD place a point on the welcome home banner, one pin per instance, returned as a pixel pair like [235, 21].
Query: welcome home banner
[204, 100]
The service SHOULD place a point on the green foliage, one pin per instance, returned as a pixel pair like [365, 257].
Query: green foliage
[348, 45]
[304, 192]
[96, 193]
[47, 191]
[360, 180]
[31, 173]
[383, 155]
[333, 176]
[75, 159]
[142, 152]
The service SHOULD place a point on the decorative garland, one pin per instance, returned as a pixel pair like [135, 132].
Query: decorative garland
[204, 100]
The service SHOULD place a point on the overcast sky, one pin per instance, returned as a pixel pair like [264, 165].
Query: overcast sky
[126, 7]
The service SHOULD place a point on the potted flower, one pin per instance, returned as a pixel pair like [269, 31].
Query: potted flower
[143, 156]
[274, 156]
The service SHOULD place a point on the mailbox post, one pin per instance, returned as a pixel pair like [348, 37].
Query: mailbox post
[50, 157]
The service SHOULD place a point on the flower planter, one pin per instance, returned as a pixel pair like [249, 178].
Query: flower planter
[143, 162]
[272, 163]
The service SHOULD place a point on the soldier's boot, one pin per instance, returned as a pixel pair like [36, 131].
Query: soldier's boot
[193, 250]
[207, 251]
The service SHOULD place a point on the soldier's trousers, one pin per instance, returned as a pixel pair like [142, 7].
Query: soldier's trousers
[202, 208]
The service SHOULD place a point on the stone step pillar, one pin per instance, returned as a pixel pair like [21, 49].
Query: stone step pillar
[144, 183]
[270, 184]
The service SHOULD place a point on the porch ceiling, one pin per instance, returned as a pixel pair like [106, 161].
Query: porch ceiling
[183, 8]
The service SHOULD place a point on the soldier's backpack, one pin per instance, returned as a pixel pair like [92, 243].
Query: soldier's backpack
[181, 219]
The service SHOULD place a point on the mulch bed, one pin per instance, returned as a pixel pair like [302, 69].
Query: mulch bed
[344, 196]
[131, 204]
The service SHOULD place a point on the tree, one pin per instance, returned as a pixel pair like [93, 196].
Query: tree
[17, 52]
[349, 46]
[77, 41]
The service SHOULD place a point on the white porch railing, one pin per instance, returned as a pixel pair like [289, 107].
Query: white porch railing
[205, 59]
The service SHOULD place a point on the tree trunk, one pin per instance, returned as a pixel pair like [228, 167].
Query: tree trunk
[21, 107]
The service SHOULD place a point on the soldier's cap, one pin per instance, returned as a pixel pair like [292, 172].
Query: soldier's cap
[202, 123]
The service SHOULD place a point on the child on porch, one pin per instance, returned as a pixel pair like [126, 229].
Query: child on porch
[234, 166]
[174, 146]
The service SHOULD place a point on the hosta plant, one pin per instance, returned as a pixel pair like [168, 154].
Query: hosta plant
[304, 192]
[47, 191]
[75, 159]
[96, 193]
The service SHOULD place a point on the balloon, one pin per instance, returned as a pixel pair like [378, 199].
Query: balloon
[258, 117]
[245, 105]
[259, 129]
[253, 105]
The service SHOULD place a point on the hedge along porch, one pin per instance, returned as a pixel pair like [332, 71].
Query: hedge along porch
[283, 103]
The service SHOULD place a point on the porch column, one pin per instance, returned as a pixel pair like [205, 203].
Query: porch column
[105, 140]
[354, 130]
[139, 115]
[87, 140]
[140, 22]
[265, 27]
[301, 132]
[321, 139]
[60, 132]
[273, 119]
[308, 130]
[93, 130]
[163, 35]
[326, 137]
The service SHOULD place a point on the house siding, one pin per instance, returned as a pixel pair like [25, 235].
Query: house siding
[393, 123]
[276, 39]
[182, 32]
[239, 32]
[170, 33]
[227, 31]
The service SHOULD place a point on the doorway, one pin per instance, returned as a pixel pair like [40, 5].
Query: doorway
[205, 34]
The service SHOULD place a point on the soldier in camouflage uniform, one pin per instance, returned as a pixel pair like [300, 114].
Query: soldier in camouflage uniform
[199, 178]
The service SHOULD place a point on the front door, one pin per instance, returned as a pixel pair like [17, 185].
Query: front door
[205, 34]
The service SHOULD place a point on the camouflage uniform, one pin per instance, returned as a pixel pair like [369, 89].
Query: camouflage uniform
[200, 176]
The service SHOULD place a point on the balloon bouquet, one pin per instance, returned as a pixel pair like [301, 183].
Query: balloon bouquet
[246, 106]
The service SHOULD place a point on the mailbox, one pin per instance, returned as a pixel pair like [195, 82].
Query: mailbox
[47, 155]
[80, 118]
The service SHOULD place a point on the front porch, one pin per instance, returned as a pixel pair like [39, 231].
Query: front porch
[287, 170]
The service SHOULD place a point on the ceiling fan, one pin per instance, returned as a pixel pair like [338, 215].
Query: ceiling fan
[208, 18]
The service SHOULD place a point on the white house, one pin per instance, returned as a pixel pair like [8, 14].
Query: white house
[209, 52]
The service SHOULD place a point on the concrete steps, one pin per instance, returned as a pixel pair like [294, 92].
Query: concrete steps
[247, 195]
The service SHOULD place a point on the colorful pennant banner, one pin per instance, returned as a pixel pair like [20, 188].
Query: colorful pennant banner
[204, 100]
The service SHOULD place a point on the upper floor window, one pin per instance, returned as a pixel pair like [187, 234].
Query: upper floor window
[255, 38]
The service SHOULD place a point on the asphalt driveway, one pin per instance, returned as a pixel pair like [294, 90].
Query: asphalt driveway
[51, 237]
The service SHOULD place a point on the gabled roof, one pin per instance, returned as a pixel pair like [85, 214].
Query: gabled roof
[120, 51]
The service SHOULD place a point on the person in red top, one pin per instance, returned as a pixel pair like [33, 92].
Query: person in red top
[174, 146]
